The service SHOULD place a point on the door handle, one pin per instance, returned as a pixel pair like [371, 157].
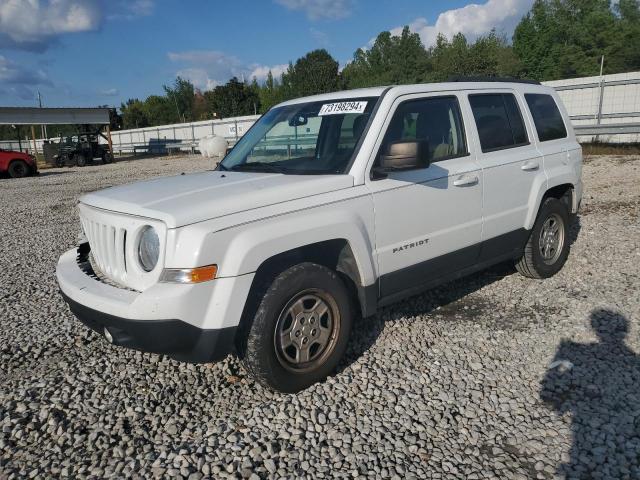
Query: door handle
[465, 180]
[531, 165]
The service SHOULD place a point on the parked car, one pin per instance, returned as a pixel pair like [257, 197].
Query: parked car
[329, 207]
[17, 164]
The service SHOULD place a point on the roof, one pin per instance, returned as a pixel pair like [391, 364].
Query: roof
[52, 116]
[463, 84]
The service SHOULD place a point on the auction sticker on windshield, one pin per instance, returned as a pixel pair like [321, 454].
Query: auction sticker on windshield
[342, 108]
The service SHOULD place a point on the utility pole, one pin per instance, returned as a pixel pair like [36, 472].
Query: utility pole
[43, 128]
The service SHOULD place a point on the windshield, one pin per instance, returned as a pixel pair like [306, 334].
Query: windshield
[305, 138]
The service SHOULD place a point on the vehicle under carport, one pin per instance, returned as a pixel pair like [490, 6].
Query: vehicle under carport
[80, 149]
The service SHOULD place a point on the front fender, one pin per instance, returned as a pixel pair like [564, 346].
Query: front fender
[241, 249]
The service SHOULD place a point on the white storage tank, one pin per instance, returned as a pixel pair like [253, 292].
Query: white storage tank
[213, 146]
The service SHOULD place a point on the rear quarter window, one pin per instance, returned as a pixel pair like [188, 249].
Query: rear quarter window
[546, 116]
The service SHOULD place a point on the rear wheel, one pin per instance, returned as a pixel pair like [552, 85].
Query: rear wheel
[547, 249]
[18, 169]
[107, 157]
[79, 159]
[300, 329]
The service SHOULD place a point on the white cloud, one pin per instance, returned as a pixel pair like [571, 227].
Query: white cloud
[260, 72]
[318, 9]
[130, 9]
[109, 92]
[34, 24]
[472, 20]
[208, 68]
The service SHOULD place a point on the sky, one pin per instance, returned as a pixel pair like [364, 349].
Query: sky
[81, 53]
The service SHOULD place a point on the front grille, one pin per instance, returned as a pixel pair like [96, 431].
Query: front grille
[112, 237]
[108, 247]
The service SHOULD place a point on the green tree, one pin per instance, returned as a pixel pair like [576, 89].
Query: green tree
[391, 60]
[233, 99]
[566, 38]
[182, 94]
[161, 110]
[133, 114]
[270, 93]
[316, 72]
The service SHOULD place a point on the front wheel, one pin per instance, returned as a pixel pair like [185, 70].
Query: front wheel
[80, 160]
[300, 329]
[18, 169]
[547, 249]
[107, 157]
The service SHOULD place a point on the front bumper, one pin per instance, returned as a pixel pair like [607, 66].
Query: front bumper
[194, 323]
[174, 338]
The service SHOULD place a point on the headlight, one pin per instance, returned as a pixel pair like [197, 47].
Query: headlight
[148, 249]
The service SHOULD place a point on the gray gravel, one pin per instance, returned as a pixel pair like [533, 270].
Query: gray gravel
[453, 383]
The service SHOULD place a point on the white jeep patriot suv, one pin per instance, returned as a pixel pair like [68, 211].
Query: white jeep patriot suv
[330, 206]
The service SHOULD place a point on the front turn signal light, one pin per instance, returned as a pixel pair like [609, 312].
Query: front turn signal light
[189, 275]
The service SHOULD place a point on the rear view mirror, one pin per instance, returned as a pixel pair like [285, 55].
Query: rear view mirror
[405, 155]
[298, 120]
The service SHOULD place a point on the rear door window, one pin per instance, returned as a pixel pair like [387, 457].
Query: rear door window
[546, 116]
[498, 120]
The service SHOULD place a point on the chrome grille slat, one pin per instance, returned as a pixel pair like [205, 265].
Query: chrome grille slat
[107, 246]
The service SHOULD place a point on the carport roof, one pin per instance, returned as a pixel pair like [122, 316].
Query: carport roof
[53, 116]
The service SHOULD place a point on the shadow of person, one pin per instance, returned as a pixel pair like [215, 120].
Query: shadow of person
[599, 384]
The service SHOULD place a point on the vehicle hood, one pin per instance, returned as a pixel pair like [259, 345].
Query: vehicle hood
[191, 198]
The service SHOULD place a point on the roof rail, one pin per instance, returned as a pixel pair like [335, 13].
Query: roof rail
[459, 78]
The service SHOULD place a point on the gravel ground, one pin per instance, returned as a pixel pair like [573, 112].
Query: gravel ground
[493, 376]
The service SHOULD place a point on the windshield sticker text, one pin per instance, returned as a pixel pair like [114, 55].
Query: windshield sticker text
[342, 108]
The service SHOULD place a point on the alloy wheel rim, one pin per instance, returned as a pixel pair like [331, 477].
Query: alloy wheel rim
[307, 330]
[551, 239]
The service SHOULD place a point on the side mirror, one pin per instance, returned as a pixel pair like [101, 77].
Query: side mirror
[298, 120]
[405, 155]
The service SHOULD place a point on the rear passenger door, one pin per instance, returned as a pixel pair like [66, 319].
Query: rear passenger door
[511, 166]
[428, 221]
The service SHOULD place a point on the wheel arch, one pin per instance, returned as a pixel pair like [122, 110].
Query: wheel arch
[335, 254]
[564, 191]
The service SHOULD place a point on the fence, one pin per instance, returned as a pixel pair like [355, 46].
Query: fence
[605, 109]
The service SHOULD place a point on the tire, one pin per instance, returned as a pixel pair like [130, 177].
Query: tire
[293, 306]
[79, 159]
[107, 158]
[18, 169]
[540, 258]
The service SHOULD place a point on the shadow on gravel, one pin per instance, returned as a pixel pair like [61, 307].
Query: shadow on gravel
[45, 173]
[445, 299]
[599, 385]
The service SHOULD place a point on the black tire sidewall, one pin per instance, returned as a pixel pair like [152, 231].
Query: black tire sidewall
[260, 355]
[80, 160]
[21, 167]
[550, 206]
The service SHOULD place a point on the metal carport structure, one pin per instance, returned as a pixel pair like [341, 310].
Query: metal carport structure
[55, 116]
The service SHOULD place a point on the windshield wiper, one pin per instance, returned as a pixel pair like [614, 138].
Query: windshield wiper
[258, 167]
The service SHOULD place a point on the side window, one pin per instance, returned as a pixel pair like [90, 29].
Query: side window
[499, 121]
[546, 116]
[434, 120]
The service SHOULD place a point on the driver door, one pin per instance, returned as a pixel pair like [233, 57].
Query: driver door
[428, 221]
